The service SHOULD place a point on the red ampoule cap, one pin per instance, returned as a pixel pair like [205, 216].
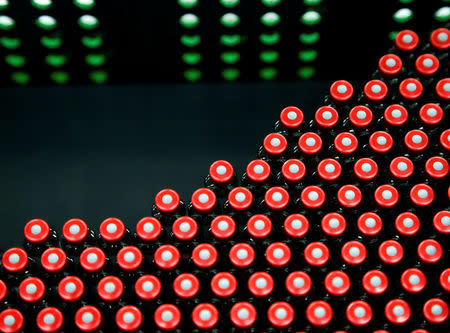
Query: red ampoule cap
[129, 258]
[3, 290]
[167, 256]
[375, 90]
[291, 117]
[407, 224]
[11, 321]
[427, 64]
[296, 225]
[435, 311]
[349, 196]
[147, 287]
[53, 259]
[260, 284]
[129, 318]
[88, 318]
[390, 252]
[359, 313]
[333, 224]
[397, 311]
[110, 288]
[370, 224]
[319, 313]
[421, 194]
[365, 168]
[396, 114]
[329, 169]
[276, 198]
[221, 171]
[445, 139]
[381, 142]
[406, 40]
[184, 228]
[444, 279]
[223, 284]
[312, 196]
[203, 199]
[92, 259]
[353, 253]
[204, 255]
[416, 140]
[240, 198]
[148, 228]
[390, 64]
[223, 227]
[298, 283]
[36, 231]
[167, 200]
[205, 316]
[316, 254]
[443, 88]
[70, 288]
[341, 90]
[441, 221]
[360, 116]
[243, 314]
[401, 167]
[430, 251]
[326, 116]
[112, 229]
[345, 143]
[186, 285]
[410, 88]
[275, 144]
[278, 254]
[413, 280]
[49, 319]
[440, 38]
[375, 282]
[14, 259]
[310, 143]
[31, 290]
[259, 226]
[258, 170]
[337, 283]
[280, 314]
[386, 196]
[437, 167]
[167, 316]
[75, 230]
[293, 170]
[241, 255]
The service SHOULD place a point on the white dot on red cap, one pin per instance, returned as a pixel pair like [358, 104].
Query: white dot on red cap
[109, 287]
[390, 62]
[361, 114]
[167, 199]
[53, 258]
[70, 287]
[87, 317]
[375, 281]
[436, 310]
[166, 255]
[112, 227]
[203, 198]
[407, 38]
[447, 87]
[411, 87]
[223, 225]
[49, 319]
[334, 223]
[242, 254]
[337, 282]
[330, 168]
[277, 196]
[376, 88]
[240, 196]
[258, 169]
[224, 283]
[313, 195]
[281, 313]
[396, 113]
[422, 193]
[431, 250]
[261, 283]
[36, 229]
[297, 224]
[319, 312]
[13, 258]
[205, 315]
[354, 251]
[299, 282]
[92, 258]
[438, 166]
[147, 286]
[129, 256]
[259, 224]
[402, 166]
[342, 89]
[243, 314]
[366, 167]
[427, 62]
[294, 168]
[399, 310]
[185, 227]
[317, 253]
[292, 115]
[204, 254]
[414, 279]
[431, 112]
[9, 320]
[186, 284]
[31, 288]
[443, 37]
[346, 141]
[370, 222]
[327, 115]
[386, 194]
[381, 140]
[128, 317]
[221, 169]
[74, 229]
[350, 195]
[148, 227]
[391, 251]
[275, 142]
[408, 222]
[359, 312]
[445, 221]
[310, 142]
[416, 138]
[278, 253]
[167, 316]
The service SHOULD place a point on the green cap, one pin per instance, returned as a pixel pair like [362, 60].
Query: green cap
[189, 20]
[188, 3]
[268, 73]
[405, 1]
[42, 4]
[84, 4]
[191, 58]
[307, 55]
[269, 56]
[269, 39]
[270, 3]
[98, 76]
[46, 22]
[6, 22]
[95, 60]
[306, 73]
[270, 19]
[190, 40]
[442, 14]
[20, 77]
[392, 35]
[230, 20]
[230, 57]
[230, 40]
[231, 74]
[56, 60]
[311, 17]
[309, 38]
[403, 15]
[92, 42]
[312, 2]
[4, 4]
[15, 60]
[51, 42]
[229, 3]
[88, 22]
[10, 42]
[192, 75]
[60, 77]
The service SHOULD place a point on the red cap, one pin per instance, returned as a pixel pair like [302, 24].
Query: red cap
[370, 224]
[186, 285]
[407, 224]
[326, 116]
[396, 114]
[203, 199]
[375, 90]
[319, 313]
[413, 280]
[430, 251]
[259, 226]
[333, 224]
[341, 90]
[349, 196]
[129, 258]
[435, 311]
[444, 280]
[345, 143]
[337, 283]
[381, 142]
[275, 144]
[410, 88]
[416, 140]
[112, 229]
[128, 318]
[291, 117]
[148, 228]
[441, 222]
[397, 311]
[316, 254]
[421, 194]
[360, 116]
[11, 321]
[260, 284]
[276, 198]
[390, 64]
[75, 230]
[184, 228]
[365, 168]
[243, 314]
[353, 253]
[443, 88]
[386, 196]
[280, 314]
[310, 143]
[296, 225]
[312, 196]
[70, 288]
[359, 313]
[293, 170]
[110, 288]
[390, 252]
[240, 198]
[440, 38]
[14, 259]
[167, 317]
[401, 167]
[221, 171]
[204, 255]
[241, 255]
[437, 167]
[36, 231]
[329, 169]
[167, 200]
[92, 259]
[3, 290]
[375, 282]
[427, 64]
[49, 319]
[445, 139]
[223, 227]
[205, 316]
[31, 290]
[406, 40]
[223, 284]
[298, 283]
[147, 287]
[258, 170]
[88, 318]
[167, 256]
[278, 254]
[53, 259]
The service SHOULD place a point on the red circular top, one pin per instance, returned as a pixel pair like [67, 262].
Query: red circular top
[310, 143]
[410, 88]
[396, 114]
[437, 167]
[427, 64]
[147, 287]
[390, 252]
[441, 222]
[278, 254]
[370, 224]
[203, 199]
[11, 321]
[413, 280]
[275, 144]
[53, 259]
[333, 224]
[167, 256]
[14, 259]
[243, 314]
[242, 255]
[167, 200]
[280, 314]
[92, 259]
[184, 228]
[129, 258]
[375, 90]
[298, 283]
[221, 171]
[430, 251]
[31, 289]
[36, 231]
[440, 38]
[353, 253]
[386, 195]
[240, 198]
[260, 284]
[359, 313]
[319, 313]
[276, 198]
[416, 140]
[204, 255]
[186, 285]
[3, 290]
[360, 116]
[75, 230]
[88, 318]
[337, 283]
[110, 288]
[293, 170]
[148, 228]
[128, 318]
[49, 319]
[436, 311]
[390, 64]
[421, 194]
[71, 288]
[444, 280]
[258, 170]
[341, 90]
[365, 168]
[296, 225]
[375, 282]
[407, 224]
[349, 196]
[329, 169]
[223, 284]
[397, 311]
[312, 196]
[401, 167]
[223, 227]
[316, 254]
[259, 226]
[291, 117]
[345, 143]
[406, 40]
[112, 229]
[205, 316]
[381, 142]
[443, 88]
[167, 316]
[326, 116]
[445, 139]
